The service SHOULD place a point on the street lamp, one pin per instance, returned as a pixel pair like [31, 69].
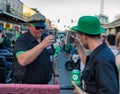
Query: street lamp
[73, 21]
[58, 20]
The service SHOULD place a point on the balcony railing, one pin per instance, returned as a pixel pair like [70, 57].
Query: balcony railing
[8, 9]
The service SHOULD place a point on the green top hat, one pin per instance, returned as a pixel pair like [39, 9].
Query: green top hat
[89, 25]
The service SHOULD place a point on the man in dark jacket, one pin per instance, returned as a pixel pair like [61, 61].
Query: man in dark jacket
[100, 75]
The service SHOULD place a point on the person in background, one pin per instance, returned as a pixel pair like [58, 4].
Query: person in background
[1, 40]
[57, 48]
[100, 75]
[67, 48]
[118, 54]
[34, 63]
[110, 40]
[118, 41]
[5, 42]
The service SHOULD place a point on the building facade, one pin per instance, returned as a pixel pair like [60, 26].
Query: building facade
[14, 13]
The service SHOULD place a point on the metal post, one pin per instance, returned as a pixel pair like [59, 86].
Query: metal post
[6, 5]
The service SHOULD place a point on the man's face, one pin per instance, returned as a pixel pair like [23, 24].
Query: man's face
[83, 39]
[36, 31]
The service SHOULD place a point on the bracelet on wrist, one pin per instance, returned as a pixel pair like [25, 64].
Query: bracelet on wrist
[56, 75]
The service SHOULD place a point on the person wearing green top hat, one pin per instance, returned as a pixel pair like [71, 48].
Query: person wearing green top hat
[100, 75]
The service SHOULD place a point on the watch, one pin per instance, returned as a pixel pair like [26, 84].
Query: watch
[56, 75]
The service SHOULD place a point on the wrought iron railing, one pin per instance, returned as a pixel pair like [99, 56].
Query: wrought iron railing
[8, 9]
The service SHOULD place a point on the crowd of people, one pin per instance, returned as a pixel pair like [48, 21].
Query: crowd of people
[35, 55]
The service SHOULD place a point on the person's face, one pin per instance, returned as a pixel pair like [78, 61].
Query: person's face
[83, 39]
[36, 31]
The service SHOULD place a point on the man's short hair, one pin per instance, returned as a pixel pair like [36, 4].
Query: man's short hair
[111, 39]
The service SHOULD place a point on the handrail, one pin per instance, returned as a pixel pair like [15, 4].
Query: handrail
[29, 89]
